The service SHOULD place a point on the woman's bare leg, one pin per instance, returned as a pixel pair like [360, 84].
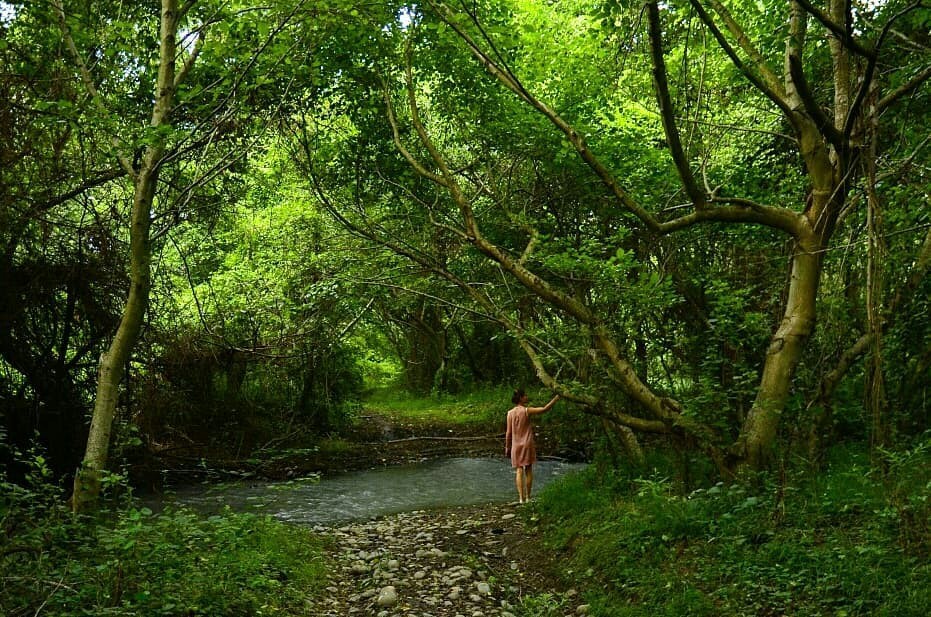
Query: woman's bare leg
[528, 481]
[519, 481]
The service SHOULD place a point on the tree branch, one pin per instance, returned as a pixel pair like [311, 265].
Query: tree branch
[576, 140]
[822, 122]
[101, 179]
[88, 81]
[776, 95]
[907, 88]
[739, 211]
[867, 82]
[661, 85]
[396, 137]
[747, 45]
[837, 29]
[191, 59]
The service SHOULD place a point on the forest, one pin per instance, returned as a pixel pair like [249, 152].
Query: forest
[272, 244]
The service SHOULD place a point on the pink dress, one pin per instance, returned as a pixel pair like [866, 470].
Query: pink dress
[519, 438]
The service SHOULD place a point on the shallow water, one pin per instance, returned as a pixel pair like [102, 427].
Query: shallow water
[366, 494]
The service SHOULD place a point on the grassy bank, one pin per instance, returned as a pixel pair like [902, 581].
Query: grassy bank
[851, 541]
[482, 407]
[130, 561]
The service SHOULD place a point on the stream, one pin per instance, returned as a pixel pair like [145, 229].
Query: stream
[367, 494]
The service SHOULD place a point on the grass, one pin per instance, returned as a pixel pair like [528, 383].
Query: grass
[850, 541]
[132, 561]
[480, 407]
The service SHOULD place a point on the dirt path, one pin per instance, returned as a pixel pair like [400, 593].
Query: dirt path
[478, 561]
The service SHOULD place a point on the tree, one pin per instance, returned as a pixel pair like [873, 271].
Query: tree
[215, 107]
[144, 176]
[835, 151]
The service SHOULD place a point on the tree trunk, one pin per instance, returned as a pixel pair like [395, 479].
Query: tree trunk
[88, 477]
[758, 434]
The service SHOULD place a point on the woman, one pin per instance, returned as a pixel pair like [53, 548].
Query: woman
[518, 441]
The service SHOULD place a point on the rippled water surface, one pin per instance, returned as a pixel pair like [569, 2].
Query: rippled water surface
[365, 494]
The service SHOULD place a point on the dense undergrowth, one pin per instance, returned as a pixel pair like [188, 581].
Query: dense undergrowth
[852, 540]
[131, 561]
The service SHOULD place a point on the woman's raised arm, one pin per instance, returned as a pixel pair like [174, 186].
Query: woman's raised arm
[547, 407]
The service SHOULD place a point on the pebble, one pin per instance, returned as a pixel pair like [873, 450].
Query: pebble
[442, 566]
[359, 568]
[582, 609]
[387, 596]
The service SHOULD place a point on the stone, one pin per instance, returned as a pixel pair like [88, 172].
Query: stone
[359, 568]
[508, 517]
[393, 564]
[419, 574]
[483, 588]
[582, 609]
[387, 596]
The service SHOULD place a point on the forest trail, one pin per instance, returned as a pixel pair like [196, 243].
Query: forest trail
[479, 561]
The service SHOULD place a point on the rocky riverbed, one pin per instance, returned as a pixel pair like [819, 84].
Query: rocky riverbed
[458, 562]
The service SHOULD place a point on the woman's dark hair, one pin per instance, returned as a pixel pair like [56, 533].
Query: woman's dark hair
[517, 396]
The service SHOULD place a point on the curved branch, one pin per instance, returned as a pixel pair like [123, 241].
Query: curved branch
[88, 81]
[849, 357]
[661, 85]
[837, 29]
[191, 59]
[396, 138]
[739, 211]
[641, 424]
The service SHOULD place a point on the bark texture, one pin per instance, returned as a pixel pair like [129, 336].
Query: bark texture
[87, 481]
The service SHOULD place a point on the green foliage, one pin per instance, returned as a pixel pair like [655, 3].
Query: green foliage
[479, 407]
[843, 542]
[542, 605]
[132, 561]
